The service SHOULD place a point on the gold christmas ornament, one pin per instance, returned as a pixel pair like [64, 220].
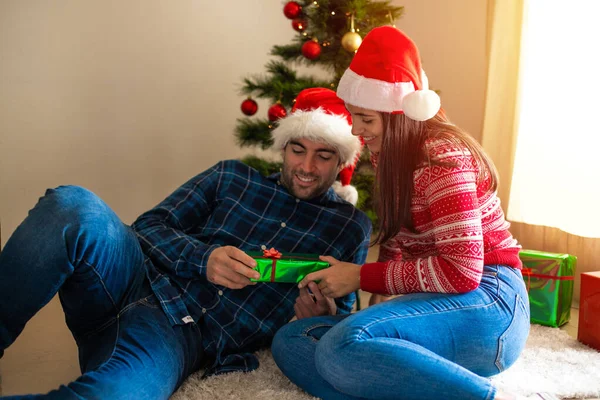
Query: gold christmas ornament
[351, 41]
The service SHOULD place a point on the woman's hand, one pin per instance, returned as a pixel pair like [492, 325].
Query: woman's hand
[340, 279]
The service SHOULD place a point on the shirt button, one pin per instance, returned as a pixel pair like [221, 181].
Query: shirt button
[297, 200]
[204, 311]
[283, 225]
[220, 293]
[263, 247]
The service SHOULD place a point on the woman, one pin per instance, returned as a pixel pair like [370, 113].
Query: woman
[444, 245]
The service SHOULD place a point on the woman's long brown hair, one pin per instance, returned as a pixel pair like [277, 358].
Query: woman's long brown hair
[402, 152]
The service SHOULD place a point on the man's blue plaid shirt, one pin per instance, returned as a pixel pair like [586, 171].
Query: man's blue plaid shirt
[232, 204]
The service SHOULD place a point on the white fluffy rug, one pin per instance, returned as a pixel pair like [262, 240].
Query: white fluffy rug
[556, 363]
[552, 362]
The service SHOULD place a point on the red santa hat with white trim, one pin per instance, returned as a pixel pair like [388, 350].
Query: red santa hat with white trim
[386, 75]
[320, 115]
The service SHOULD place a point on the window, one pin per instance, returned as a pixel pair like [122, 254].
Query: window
[556, 175]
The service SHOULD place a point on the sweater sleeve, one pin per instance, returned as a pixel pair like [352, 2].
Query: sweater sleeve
[451, 198]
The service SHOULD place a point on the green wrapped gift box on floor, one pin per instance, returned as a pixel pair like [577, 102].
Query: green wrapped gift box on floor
[285, 268]
[549, 281]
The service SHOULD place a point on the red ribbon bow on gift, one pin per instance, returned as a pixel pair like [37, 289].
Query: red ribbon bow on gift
[274, 255]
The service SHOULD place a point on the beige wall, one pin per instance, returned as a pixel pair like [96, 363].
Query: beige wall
[132, 98]
[451, 36]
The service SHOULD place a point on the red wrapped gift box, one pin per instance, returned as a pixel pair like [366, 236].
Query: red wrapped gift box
[588, 331]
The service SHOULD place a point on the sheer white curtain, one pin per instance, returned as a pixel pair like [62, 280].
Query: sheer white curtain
[556, 175]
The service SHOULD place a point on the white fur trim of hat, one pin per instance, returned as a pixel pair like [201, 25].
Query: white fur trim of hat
[319, 126]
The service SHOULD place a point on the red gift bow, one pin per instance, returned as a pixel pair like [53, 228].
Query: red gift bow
[273, 254]
[529, 273]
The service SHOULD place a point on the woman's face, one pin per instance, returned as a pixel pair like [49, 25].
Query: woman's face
[367, 124]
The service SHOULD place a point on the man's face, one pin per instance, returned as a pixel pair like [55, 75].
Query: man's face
[309, 168]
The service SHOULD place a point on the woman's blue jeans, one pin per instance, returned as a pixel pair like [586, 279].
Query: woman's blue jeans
[418, 346]
[72, 243]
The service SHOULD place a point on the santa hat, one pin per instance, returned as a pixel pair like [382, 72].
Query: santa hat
[319, 115]
[385, 75]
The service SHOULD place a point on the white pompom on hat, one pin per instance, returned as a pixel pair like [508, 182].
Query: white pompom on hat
[320, 115]
[386, 75]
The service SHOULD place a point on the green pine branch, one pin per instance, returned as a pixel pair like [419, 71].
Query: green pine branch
[281, 84]
[288, 52]
[251, 132]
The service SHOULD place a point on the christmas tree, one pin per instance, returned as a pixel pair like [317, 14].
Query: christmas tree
[329, 33]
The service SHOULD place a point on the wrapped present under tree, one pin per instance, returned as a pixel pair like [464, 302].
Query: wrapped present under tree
[549, 280]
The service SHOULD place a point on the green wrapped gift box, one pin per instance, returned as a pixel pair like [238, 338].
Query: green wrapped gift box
[285, 268]
[549, 280]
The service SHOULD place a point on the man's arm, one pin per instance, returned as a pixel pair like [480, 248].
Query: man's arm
[164, 230]
[164, 235]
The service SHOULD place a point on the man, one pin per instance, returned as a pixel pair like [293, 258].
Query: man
[151, 303]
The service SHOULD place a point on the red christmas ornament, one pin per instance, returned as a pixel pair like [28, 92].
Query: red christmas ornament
[249, 106]
[311, 49]
[276, 111]
[299, 24]
[292, 10]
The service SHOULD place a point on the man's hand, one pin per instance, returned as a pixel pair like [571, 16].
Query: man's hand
[230, 267]
[314, 305]
[340, 279]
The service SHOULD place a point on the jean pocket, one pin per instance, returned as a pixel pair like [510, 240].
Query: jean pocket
[512, 342]
[150, 301]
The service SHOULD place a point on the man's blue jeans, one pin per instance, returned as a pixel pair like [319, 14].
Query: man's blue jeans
[74, 244]
[419, 346]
